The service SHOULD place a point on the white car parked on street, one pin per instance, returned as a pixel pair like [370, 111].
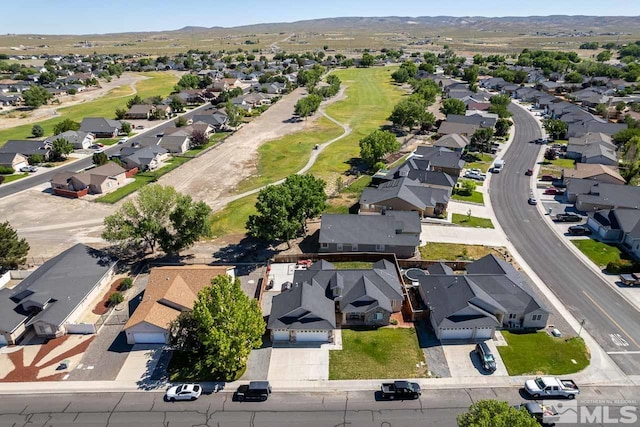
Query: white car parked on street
[184, 392]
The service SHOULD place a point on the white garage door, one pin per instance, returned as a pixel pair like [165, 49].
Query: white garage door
[281, 335]
[3, 340]
[456, 334]
[484, 333]
[149, 337]
[20, 165]
[312, 336]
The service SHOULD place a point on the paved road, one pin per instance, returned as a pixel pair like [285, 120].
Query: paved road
[434, 408]
[43, 178]
[610, 319]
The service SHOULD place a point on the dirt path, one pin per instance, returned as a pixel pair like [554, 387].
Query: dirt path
[50, 111]
[213, 176]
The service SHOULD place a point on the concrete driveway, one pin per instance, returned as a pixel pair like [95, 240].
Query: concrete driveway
[299, 364]
[463, 361]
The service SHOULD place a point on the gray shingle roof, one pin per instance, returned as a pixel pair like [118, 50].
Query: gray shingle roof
[100, 125]
[440, 156]
[61, 283]
[452, 140]
[304, 306]
[408, 191]
[370, 229]
[619, 196]
[26, 148]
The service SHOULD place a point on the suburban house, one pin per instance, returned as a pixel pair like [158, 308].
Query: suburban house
[618, 226]
[441, 159]
[322, 298]
[394, 232]
[491, 295]
[594, 172]
[169, 292]
[55, 295]
[608, 196]
[593, 148]
[80, 140]
[175, 143]
[27, 148]
[143, 158]
[13, 160]
[592, 125]
[140, 112]
[453, 142]
[217, 120]
[100, 180]
[405, 194]
[101, 127]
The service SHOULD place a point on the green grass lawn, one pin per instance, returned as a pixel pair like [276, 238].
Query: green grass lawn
[282, 157]
[14, 177]
[232, 219]
[483, 162]
[381, 353]
[473, 221]
[157, 84]
[348, 196]
[475, 197]
[370, 98]
[182, 368]
[562, 163]
[600, 253]
[142, 179]
[353, 265]
[541, 354]
[455, 251]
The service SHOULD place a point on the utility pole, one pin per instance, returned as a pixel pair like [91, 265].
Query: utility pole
[581, 325]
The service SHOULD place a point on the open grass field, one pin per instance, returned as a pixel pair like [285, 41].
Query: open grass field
[282, 157]
[370, 98]
[382, 353]
[156, 84]
[232, 219]
[453, 251]
[541, 354]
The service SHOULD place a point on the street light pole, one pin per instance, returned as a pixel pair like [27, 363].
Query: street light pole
[581, 325]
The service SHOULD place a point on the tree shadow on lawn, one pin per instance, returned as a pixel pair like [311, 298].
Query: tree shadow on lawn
[310, 243]
[247, 250]
[357, 166]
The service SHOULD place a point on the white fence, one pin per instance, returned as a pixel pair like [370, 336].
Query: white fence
[80, 328]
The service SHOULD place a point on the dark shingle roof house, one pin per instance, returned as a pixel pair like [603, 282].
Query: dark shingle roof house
[26, 148]
[101, 127]
[491, 295]
[55, 294]
[441, 157]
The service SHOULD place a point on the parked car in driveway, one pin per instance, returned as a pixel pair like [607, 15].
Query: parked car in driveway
[567, 217]
[475, 175]
[579, 230]
[486, 357]
[184, 392]
[554, 191]
[548, 178]
[28, 169]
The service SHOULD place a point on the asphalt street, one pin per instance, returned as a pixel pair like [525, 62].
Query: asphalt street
[42, 178]
[363, 408]
[609, 318]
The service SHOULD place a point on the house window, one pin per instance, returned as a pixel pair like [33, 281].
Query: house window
[377, 316]
[512, 316]
[324, 245]
[536, 317]
[355, 316]
[355, 247]
[380, 248]
[339, 247]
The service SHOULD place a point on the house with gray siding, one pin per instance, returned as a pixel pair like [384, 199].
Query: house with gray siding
[396, 232]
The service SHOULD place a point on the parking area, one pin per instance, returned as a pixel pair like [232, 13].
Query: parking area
[464, 362]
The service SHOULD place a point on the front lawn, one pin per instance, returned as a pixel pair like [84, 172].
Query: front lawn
[14, 177]
[473, 221]
[563, 163]
[475, 197]
[541, 354]
[353, 265]
[600, 253]
[455, 251]
[382, 353]
[183, 369]
[480, 161]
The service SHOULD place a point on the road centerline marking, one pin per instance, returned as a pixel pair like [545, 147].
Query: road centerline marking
[611, 318]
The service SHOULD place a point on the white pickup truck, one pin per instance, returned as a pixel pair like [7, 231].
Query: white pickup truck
[551, 387]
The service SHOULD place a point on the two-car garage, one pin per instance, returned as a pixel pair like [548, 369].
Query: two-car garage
[148, 338]
[301, 335]
[473, 333]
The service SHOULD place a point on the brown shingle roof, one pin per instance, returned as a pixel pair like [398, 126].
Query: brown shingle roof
[176, 286]
[588, 170]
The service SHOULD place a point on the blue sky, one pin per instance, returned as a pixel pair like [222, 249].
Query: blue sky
[112, 16]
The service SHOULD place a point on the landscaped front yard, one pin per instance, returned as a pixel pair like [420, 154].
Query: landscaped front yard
[455, 251]
[475, 197]
[540, 353]
[600, 253]
[381, 353]
[473, 221]
[480, 161]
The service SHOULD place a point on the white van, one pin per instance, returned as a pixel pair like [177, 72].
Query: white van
[497, 166]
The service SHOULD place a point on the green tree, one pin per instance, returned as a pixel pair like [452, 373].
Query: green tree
[188, 81]
[481, 138]
[283, 209]
[366, 60]
[177, 104]
[13, 250]
[140, 221]
[115, 299]
[61, 147]
[65, 125]
[604, 56]
[494, 413]
[453, 106]
[601, 110]
[375, 145]
[37, 131]
[467, 187]
[36, 159]
[573, 77]
[136, 100]
[410, 112]
[221, 330]
[180, 122]
[126, 127]
[36, 96]
[234, 117]
[308, 105]
[47, 77]
[198, 137]
[100, 159]
[556, 128]
[502, 126]
[120, 113]
[188, 223]
[471, 74]
[400, 76]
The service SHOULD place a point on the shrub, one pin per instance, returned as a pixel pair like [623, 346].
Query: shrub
[37, 131]
[393, 322]
[36, 159]
[126, 283]
[622, 266]
[6, 170]
[115, 298]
